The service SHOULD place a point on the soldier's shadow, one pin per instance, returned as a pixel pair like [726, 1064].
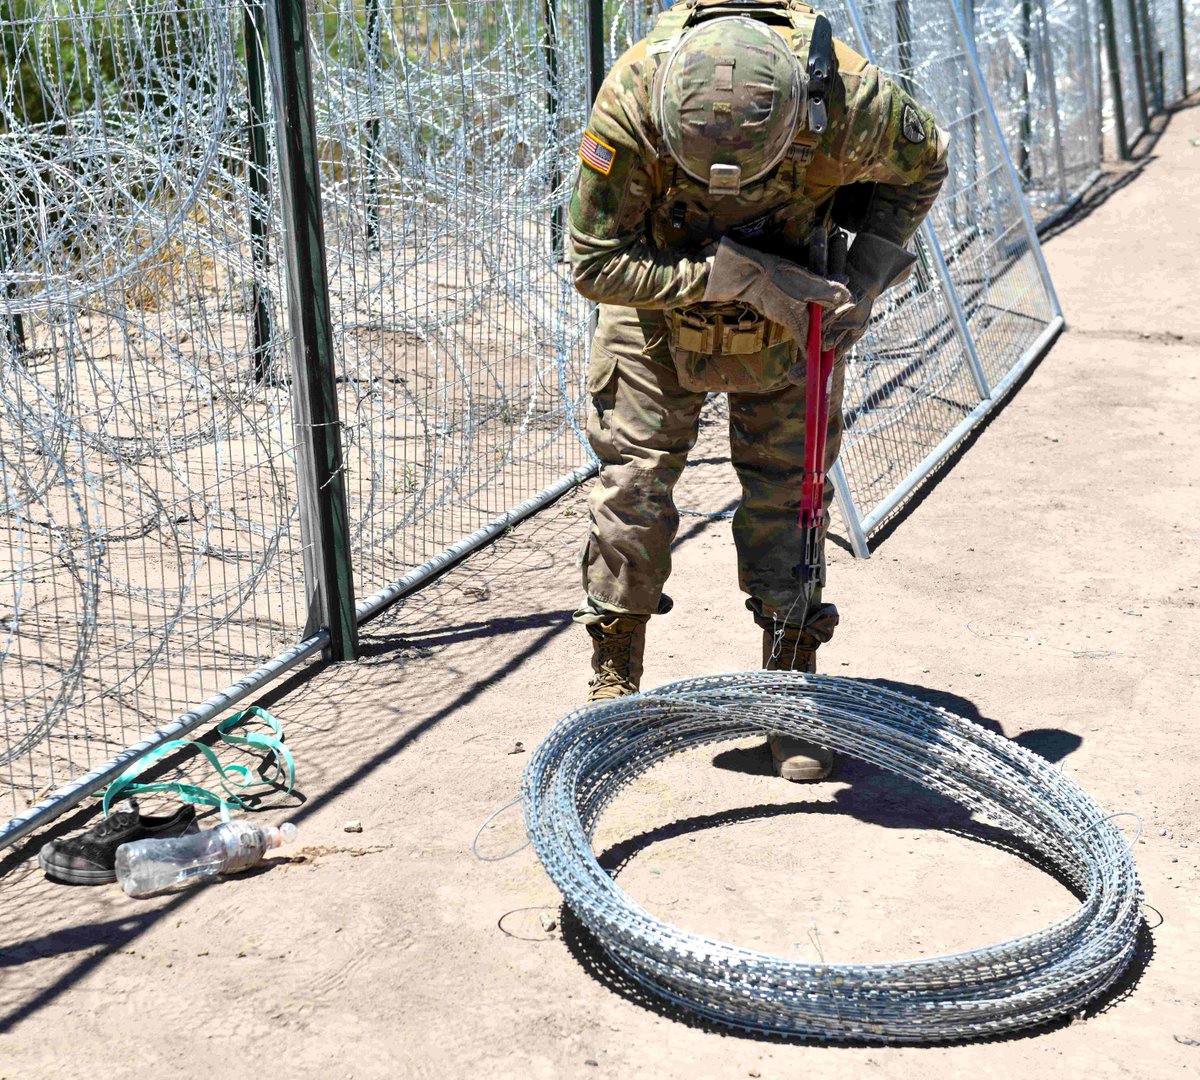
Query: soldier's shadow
[875, 795]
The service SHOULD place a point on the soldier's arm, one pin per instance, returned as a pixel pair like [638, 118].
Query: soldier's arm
[894, 144]
[612, 259]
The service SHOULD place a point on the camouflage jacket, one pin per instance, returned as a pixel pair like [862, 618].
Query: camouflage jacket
[642, 231]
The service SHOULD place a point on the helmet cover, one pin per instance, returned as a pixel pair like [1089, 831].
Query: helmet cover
[730, 94]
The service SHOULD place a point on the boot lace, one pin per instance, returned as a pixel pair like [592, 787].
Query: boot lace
[614, 660]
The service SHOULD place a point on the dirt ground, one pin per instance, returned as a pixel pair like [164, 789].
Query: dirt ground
[1047, 586]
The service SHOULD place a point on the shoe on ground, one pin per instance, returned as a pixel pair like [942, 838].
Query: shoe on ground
[91, 857]
[799, 759]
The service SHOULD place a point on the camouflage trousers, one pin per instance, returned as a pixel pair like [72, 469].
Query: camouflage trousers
[641, 425]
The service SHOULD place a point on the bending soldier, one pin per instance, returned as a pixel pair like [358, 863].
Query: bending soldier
[716, 145]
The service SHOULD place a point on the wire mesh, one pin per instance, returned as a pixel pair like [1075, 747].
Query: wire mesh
[1038, 59]
[1167, 34]
[1191, 40]
[149, 552]
[446, 129]
[1129, 67]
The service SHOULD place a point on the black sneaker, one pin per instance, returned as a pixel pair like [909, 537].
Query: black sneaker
[90, 858]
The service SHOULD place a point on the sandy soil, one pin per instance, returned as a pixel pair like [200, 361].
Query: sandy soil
[1046, 586]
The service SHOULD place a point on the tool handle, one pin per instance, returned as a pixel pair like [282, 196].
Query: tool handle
[826, 256]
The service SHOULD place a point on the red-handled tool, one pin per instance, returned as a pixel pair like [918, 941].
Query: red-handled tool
[826, 256]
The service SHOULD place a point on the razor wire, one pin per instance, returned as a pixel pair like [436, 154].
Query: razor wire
[153, 551]
[596, 752]
[149, 535]
[448, 129]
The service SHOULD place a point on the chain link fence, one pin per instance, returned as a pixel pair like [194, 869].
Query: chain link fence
[286, 327]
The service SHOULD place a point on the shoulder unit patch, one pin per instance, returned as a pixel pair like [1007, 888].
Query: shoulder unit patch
[912, 125]
[599, 155]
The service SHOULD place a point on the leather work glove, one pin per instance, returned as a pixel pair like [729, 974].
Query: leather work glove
[873, 265]
[777, 288]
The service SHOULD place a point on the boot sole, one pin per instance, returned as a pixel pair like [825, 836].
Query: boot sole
[797, 773]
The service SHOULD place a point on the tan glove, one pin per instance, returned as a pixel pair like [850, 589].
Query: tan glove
[873, 265]
[777, 288]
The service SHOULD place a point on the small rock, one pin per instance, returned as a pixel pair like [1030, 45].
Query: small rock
[548, 921]
[754, 1072]
[352, 826]
[594, 1064]
[518, 748]
[1162, 832]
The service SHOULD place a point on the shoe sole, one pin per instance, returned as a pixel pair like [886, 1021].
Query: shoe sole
[74, 875]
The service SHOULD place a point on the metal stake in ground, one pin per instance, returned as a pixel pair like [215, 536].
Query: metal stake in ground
[323, 517]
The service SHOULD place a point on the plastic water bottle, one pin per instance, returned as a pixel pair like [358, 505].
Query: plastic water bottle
[145, 867]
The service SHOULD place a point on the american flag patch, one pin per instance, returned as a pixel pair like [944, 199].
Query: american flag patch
[599, 155]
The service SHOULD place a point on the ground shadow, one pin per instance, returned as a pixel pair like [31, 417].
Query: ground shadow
[875, 795]
[94, 942]
[1118, 175]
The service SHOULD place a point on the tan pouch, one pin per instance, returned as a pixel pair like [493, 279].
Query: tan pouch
[729, 349]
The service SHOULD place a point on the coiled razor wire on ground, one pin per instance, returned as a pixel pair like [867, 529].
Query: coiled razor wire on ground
[596, 751]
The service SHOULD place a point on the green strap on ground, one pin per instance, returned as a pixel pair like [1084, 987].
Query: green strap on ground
[237, 781]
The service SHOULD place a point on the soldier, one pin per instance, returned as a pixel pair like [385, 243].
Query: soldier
[715, 146]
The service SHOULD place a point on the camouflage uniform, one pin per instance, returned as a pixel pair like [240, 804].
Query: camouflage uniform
[642, 234]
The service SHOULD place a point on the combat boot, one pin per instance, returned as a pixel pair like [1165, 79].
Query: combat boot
[618, 644]
[794, 759]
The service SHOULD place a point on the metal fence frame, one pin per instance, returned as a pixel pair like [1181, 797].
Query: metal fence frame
[1152, 48]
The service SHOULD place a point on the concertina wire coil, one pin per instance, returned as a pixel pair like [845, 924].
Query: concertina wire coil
[596, 751]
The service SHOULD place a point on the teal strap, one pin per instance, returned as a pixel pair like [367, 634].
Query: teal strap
[236, 780]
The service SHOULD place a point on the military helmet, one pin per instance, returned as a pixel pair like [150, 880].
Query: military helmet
[728, 100]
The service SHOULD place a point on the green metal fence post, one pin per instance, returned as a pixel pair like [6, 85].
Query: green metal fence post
[322, 488]
[595, 33]
[374, 63]
[550, 47]
[1114, 78]
[257, 173]
[1024, 159]
[1139, 65]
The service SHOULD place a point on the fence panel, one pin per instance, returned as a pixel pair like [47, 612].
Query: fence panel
[447, 130]
[1191, 41]
[1049, 108]
[149, 549]
[153, 551]
[1168, 31]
